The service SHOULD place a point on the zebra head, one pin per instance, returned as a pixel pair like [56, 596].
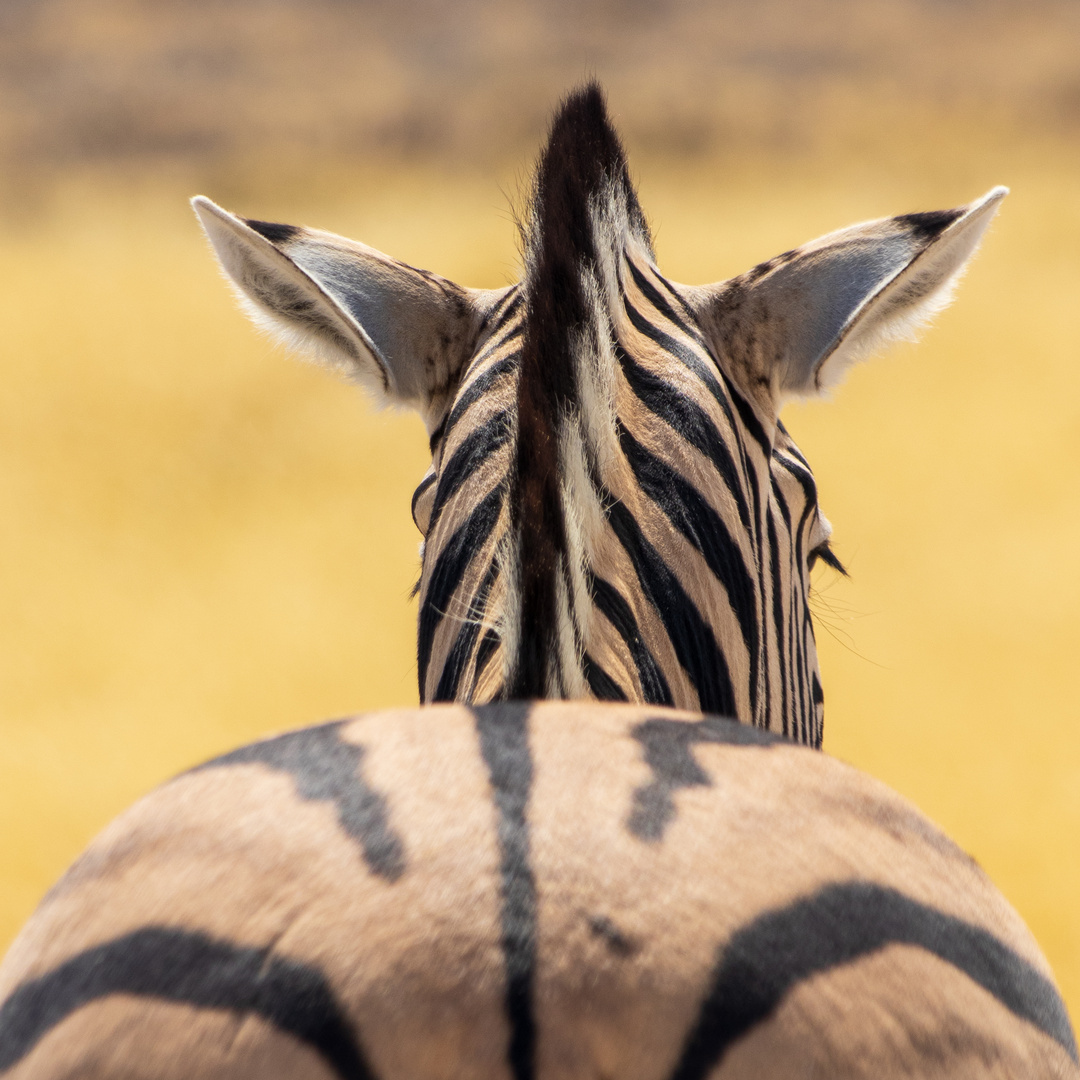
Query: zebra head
[614, 508]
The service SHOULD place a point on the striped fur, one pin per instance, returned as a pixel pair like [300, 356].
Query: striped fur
[510, 892]
[614, 509]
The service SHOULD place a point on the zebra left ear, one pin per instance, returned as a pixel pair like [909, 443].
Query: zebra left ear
[404, 333]
[792, 326]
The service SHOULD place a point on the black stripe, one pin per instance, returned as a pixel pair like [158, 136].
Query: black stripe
[654, 687]
[799, 590]
[839, 925]
[691, 422]
[926, 225]
[490, 330]
[797, 593]
[653, 295]
[668, 746]
[504, 742]
[481, 385]
[751, 422]
[691, 636]
[452, 562]
[688, 357]
[791, 448]
[812, 730]
[601, 685]
[800, 472]
[273, 231]
[817, 694]
[761, 676]
[420, 489]
[467, 459]
[675, 295]
[707, 372]
[324, 766]
[787, 634]
[193, 969]
[778, 618]
[746, 492]
[703, 527]
[808, 730]
[458, 659]
[509, 305]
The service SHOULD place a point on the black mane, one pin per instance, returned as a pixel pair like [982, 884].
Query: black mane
[582, 167]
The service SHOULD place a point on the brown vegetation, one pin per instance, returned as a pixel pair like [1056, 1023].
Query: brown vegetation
[278, 81]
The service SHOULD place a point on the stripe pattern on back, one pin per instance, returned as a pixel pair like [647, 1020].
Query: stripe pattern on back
[576, 890]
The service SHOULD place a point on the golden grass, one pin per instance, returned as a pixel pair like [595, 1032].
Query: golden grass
[202, 541]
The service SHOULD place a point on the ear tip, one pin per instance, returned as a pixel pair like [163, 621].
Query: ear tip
[208, 212]
[990, 200]
[977, 215]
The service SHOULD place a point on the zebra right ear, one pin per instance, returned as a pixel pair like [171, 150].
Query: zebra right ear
[404, 333]
[792, 326]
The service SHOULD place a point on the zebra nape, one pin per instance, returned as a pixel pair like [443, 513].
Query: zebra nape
[614, 509]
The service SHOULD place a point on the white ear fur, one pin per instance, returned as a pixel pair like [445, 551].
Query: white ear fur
[405, 334]
[792, 326]
[287, 302]
[905, 304]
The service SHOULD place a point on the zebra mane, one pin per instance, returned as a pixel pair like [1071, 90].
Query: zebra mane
[583, 214]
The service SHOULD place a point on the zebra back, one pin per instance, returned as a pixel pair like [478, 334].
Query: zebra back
[511, 891]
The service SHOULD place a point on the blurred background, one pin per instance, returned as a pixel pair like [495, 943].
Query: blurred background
[203, 541]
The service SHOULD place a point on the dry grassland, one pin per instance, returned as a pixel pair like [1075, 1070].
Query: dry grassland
[203, 541]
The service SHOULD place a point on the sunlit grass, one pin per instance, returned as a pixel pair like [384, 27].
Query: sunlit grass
[203, 541]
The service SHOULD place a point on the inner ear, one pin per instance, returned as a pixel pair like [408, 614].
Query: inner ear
[792, 326]
[405, 334]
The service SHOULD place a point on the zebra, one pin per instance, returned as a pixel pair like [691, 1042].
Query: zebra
[620, 882]
[614, 509]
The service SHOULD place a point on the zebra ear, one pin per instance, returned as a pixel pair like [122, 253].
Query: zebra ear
[792, 326]
[404, 333]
